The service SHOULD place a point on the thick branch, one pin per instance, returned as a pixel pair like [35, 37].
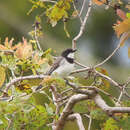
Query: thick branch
[110, 110]
[68, 109]
[78, 120]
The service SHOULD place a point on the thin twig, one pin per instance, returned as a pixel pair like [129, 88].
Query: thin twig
[23, 78]
[36, 38]
[51, 1]
[90, 121]
[84, 2]
[77, 13]
[82, 27]
[7, 51]
[109, 57]
[78, 120]
[79, 64]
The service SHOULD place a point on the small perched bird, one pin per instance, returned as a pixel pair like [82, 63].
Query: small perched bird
[63, 65]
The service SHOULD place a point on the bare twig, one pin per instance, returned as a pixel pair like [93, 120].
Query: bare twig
[82, 27]
[108, 78]
[68, 109]
[79, 64]
[51, 1]
[7, 51]
[36, 38]
[67, 90]
[123, 91]
[80, 70]
[23, 78]
[90, 121]
[97, 73]
[109, 110]
[104, 61]
[77, 13]
[84, 2]
[78, 120]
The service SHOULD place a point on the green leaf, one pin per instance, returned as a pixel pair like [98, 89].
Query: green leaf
[40, 98]
[110, 124]
[128, 15]
[98, 114]
[2, 75]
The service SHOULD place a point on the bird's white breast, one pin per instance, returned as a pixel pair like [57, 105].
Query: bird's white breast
[64, 69]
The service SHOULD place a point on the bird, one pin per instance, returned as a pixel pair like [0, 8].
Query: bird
[63, 65]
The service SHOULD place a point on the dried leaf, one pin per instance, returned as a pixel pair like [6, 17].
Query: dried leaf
[122, 27]
[99, 2]
[7, 44]
[24, 50]
[121, 14]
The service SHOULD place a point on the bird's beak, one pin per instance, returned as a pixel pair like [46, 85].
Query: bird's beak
[74, 50]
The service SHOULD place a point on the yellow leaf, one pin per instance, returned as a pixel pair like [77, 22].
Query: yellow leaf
[122, 27]
[75, 14]
[66, 31]
[2, 75]
[129, 52]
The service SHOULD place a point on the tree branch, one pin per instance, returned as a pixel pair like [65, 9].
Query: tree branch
[23, 78]
[68, 109]
[90, 121]
[82, 27]
[109, 110]
[78, 120]
[109, 57]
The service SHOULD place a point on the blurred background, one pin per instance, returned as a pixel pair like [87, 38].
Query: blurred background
[98, 41]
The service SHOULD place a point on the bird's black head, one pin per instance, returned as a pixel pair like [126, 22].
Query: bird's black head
[66, 52]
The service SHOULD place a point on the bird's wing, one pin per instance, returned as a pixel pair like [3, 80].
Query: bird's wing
[55, 65]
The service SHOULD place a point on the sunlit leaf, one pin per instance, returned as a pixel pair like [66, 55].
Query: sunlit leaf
[111, 124]
[2, 75]
[128, 15]
[122, 27]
